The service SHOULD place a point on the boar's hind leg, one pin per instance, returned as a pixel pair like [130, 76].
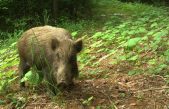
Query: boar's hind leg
[23, 69]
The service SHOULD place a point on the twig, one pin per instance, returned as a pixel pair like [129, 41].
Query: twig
[145, 90]
[159, 76]
[39, 103]
[106, 56]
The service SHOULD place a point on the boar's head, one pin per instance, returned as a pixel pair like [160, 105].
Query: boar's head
[64, 66]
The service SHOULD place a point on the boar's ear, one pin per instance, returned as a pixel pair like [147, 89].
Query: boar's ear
[78, 45]
[54, 44]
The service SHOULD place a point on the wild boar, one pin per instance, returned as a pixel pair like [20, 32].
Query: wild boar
[52, 51]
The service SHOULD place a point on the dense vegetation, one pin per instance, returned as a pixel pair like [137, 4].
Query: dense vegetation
[154, 2]
[123, 38]
[21, 14]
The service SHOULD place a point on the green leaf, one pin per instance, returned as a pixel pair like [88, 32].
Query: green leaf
[121, 26]
[114, 62]
[74, 34]
[134, 72]
[154, 24]
[132, 32]
[31, 77]
[122, 58]
[152, 61]
[98, 107]
[109, 36]
[133, 58]
[160, 68]
[97, 44]
[97, 35]
[145, 37]
[13, 44]
[132, 42]
[115, 31]
[3, 51]
[100, 50]
[2, 102]
[166, 53]
[141, 30]
[158, 35]
[131, 73]
[150, 33]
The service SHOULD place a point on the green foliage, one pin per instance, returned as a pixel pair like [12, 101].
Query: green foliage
[134, 72]
[76, 27]
[75, 8]
[155, 2]
[74, 34]
[46, 17]
[137, 35]
[8, 59]
[32, 13]
[31, 77]
[132, 42]
[16, 102]
[131, 34]
[84, 59]
[6, 79]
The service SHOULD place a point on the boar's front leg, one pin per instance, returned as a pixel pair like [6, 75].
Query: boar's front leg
[23, 69]
[50, 81]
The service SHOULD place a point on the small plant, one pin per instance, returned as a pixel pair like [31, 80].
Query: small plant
[112, 106]
[46, 17]
[18, 102]
[32, 77]
[140, 96]
[123, 95]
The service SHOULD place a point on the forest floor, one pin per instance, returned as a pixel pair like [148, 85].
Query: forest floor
[106, 85]
[117, 91]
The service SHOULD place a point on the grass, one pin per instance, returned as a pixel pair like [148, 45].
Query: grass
[119, 33]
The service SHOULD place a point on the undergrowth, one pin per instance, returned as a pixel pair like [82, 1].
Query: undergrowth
[130, 33]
